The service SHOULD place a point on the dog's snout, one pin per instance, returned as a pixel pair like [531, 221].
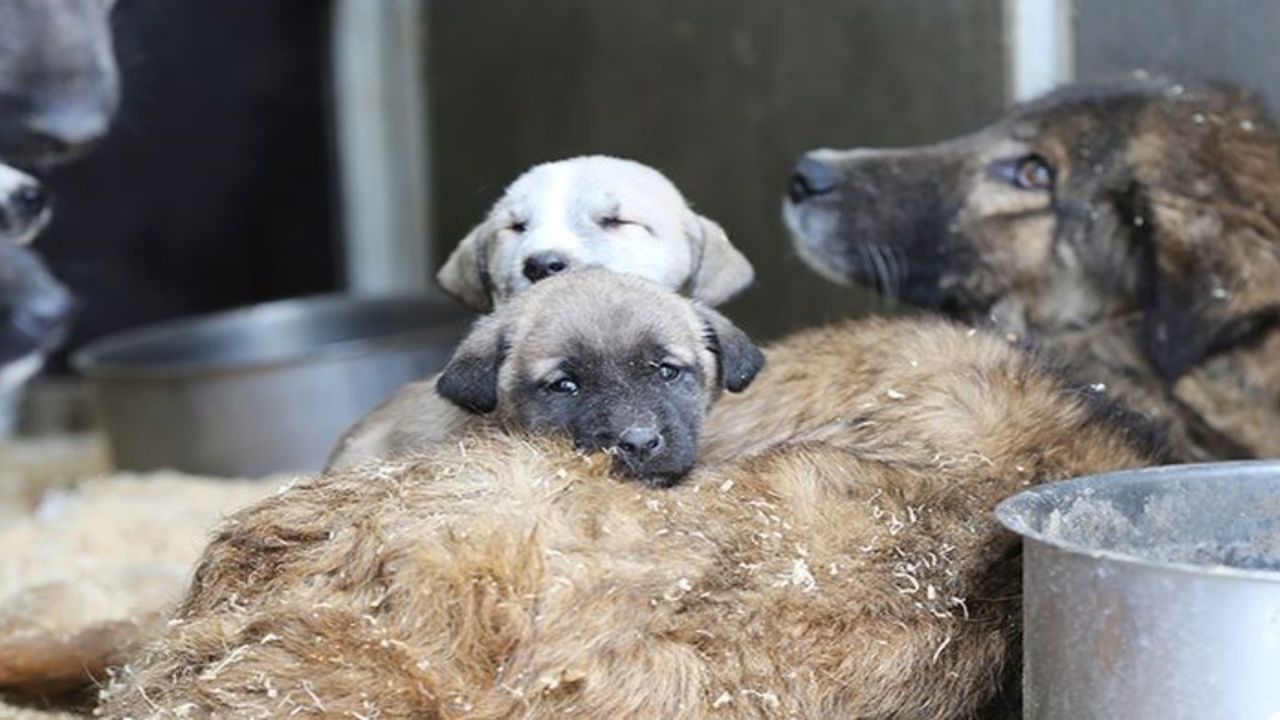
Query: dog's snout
[640, 443]
[810, 177]
[544, 265]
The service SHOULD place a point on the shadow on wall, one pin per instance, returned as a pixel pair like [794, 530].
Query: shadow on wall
[719, 94]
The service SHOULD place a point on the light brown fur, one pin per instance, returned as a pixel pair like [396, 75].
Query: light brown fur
[855, 571]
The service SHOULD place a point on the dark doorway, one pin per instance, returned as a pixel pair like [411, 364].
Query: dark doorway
[216, 187]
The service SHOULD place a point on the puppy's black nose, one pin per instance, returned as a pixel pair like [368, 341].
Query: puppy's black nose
[544, 265]
[29, 201]
[639, 443]
[810, 178]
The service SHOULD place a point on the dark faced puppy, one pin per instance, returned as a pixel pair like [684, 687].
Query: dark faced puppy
[617, 362]
[34, 311]
[1145, 213]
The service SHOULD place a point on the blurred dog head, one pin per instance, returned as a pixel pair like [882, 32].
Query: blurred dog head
[594, 211]
[1143, 197]
[34, 307]
[617, 362]
[59, 86]
[34, 312]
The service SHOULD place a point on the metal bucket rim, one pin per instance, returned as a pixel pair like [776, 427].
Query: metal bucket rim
[88, 359]
[1012, 513]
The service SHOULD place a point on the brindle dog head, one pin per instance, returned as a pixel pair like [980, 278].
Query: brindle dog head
[1143, 197]
[617, 362]
[59, 86]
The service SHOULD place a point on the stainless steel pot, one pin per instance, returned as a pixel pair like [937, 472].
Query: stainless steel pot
[263, 389]
[1152, 593]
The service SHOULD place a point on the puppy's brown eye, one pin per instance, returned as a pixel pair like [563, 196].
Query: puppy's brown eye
[565, 386]
[1033, 173]
[1029, 172]
[668, 372]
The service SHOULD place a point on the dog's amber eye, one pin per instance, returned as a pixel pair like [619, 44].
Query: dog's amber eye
[1028, 172]
[1033, 173]
[668, 372]
[565, 386]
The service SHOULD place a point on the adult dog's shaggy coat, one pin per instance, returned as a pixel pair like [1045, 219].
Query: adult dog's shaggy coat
[854, 571]
[1131, 228]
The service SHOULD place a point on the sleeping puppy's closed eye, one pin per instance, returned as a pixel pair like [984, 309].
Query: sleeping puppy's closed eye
[593, 211]
[615, 362]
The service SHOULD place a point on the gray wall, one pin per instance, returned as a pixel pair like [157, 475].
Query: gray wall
[1234, 40]
[719, 94]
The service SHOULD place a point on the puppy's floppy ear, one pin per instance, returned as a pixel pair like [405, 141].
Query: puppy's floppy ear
[1212, 215]
[465, 275]
[470, 380]
[720, 271]
[740, 359]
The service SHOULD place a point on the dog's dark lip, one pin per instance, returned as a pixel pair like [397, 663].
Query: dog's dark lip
[652, 479]
[662, 480]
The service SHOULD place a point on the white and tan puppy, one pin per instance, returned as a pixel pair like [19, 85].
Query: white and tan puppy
[618, 363]
[593, 211]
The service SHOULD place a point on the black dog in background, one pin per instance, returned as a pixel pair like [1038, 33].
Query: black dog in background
[59, 90]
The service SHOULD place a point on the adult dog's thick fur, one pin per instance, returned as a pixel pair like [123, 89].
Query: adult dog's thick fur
[614, 361]
[853, 572]
[1131, 228]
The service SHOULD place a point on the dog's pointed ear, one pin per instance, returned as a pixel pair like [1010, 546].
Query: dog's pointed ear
[465, 275]
[470, 380]
[1212, 217]
[720, 270]
[739, 358]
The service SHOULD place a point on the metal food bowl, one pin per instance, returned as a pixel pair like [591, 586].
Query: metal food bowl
[265, 389]
[1152, 593]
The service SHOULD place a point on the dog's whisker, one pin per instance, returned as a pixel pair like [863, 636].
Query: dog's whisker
[882, 273]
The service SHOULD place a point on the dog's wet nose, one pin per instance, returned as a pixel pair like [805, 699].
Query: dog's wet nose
[544, 265]
[810, 178]
[640, 443]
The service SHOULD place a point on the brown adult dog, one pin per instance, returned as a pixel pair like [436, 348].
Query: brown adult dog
[855, 571]
[1132, 228]
[617, 362]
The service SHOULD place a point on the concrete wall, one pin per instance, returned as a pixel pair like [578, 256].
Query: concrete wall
[1234, 40]
[719, 94]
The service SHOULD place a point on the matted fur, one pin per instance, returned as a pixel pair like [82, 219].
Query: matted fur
[1132, 228]
[854, 572]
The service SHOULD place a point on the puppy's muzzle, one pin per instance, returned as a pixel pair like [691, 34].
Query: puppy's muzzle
[543, 265]
[640, 451]
[811, 178]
